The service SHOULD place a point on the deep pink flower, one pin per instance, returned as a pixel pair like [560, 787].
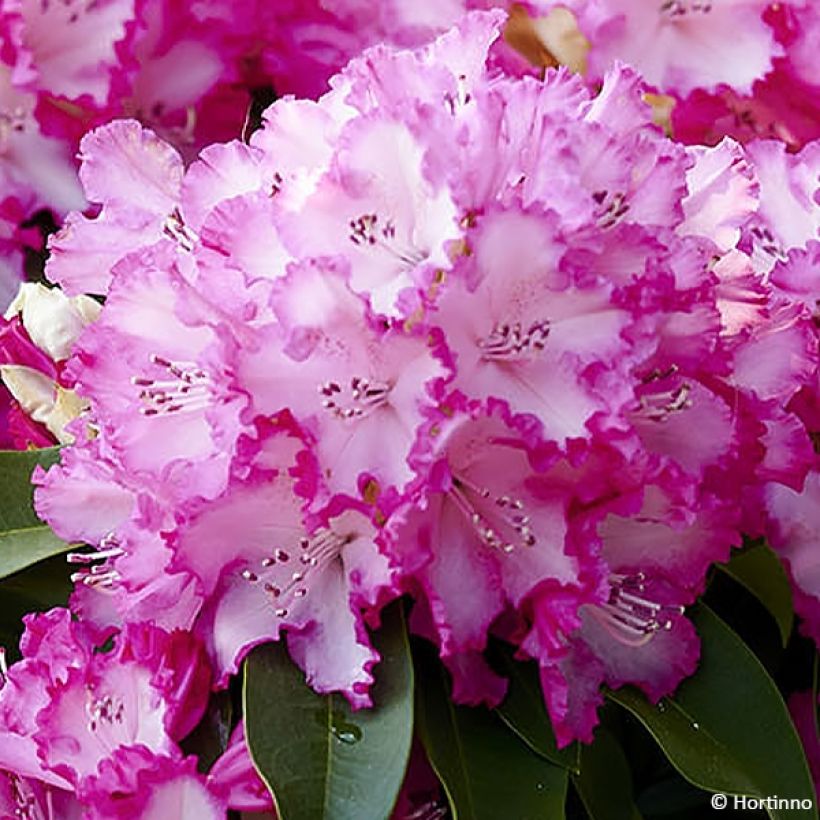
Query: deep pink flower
[233, 774]
[136, 782]
[803, 709]
[149, 690]
[783, 105]
[68, 704]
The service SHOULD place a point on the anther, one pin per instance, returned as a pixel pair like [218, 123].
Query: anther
[355, 399]
[511, 341]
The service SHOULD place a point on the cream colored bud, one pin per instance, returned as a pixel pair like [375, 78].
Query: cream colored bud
[547, 41]
[42, 399]
[53, 320]
[562, 38]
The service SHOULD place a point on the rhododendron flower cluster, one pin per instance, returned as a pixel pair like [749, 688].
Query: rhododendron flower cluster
[191, 71]
[442, 329]
[491, 341]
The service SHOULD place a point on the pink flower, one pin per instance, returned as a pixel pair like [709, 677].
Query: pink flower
[794, 521]
[149, 690]
[783, 105]
[22, 795]
[134, 782]
[487, 521]
[138, 192]
[681, 45]
[47, 39]
[351, 380]
[310, 575]
[376, 208]
[149, 370]
[789, 213]
[71, 710]
[35, 168]
[519, 331]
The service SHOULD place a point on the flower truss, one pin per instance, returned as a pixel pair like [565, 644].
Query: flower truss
[450, 331]
[195, 72]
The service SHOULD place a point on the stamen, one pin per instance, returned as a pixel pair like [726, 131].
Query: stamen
[630, 618]
[276, 185]
[367, 232]
[659, 375]
[90, 557]
[286, 587]
[176, 229]
[356, 399]
[612, 206]
[499, 521]
[676, 9]
[97, 574]
[26, 805]
[105, 710]
[189, 389]
[766, 249]
[12, 120]
[507, 341]
[659, 406]
[430, 810]
[4, 667]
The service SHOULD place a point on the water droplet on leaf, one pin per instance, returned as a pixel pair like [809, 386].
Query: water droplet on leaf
[344, 731]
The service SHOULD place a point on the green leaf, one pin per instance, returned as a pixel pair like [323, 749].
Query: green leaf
[318, 757]
[24, 539]
[487, 771]
[727, 729]
[524, 712]
[759, 570]
[673, 798]
[605, 781]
